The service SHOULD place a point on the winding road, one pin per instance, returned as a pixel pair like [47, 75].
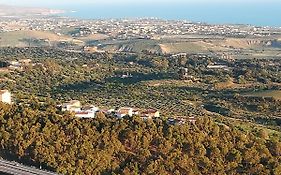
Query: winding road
[15, 168]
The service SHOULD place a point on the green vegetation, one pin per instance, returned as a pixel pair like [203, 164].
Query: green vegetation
[233, 134]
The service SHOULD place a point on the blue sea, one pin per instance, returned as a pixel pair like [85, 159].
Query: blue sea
[259, 14]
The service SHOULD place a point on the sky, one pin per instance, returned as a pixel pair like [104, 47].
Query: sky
[61, 2]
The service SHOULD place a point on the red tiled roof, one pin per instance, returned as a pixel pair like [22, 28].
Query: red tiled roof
[150, 111]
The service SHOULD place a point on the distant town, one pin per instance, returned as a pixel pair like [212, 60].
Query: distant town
[146, 28]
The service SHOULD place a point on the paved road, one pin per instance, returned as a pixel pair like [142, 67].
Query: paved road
[19, 169]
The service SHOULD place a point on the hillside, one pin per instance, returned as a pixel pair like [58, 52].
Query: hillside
[232, 134]
[137, 46]
[132, 146]
[192, 47]
[218, 45]
[244, 43]
[262, 47]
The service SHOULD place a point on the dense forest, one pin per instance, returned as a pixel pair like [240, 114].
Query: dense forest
[41, 135]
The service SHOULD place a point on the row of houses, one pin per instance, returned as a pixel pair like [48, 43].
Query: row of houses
[89, 111]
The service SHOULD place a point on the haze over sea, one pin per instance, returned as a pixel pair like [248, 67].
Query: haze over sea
[255, 14]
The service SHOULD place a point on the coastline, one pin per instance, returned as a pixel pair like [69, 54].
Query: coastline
[15, 11]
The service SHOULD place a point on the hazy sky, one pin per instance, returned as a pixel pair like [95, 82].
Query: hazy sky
[54, 2]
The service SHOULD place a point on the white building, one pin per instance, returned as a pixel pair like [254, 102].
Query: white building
[122, 112]
[5, 96]
[72, 106]
[87, 112]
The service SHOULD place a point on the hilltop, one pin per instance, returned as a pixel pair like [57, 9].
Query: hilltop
[26, 38]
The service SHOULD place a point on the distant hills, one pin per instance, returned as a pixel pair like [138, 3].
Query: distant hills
[15, 11]
[249, 46]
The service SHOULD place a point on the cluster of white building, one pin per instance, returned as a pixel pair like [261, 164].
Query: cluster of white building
[89, 111]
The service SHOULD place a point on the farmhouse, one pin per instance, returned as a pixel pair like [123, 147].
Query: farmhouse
[72, 106]
[121, 112]
[87, 112]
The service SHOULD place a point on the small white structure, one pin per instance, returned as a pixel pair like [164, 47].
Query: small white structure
[5, 96]
[218, 66]
[72, 106]
[126, 76]
[122, 112]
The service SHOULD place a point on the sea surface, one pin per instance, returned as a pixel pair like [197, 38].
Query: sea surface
[259, 14]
